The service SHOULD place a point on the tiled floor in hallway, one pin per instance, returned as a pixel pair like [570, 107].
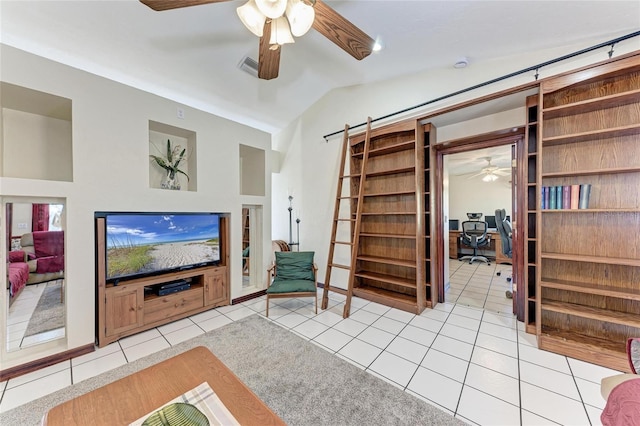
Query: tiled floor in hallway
[476, 364]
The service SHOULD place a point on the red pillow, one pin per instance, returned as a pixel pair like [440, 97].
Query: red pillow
[16, 256]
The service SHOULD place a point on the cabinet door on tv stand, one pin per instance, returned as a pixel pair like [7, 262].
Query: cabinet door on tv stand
[215, 287]
[123, 309]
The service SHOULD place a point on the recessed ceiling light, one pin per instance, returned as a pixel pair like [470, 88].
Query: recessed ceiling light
[461, 63]
[377, 46]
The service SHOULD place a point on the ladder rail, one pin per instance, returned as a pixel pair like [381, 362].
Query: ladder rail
[355, 238]
[336, 213]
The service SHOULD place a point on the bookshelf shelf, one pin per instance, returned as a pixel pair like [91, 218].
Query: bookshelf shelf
[632, 129]
[388, 261]
[388, 193]
[403, 282]
[404, 146]
[594, 104]
[410, 169]
[604, 315]
[592, 172]
[590, 210]
[598, 289]
[592, 259]
[588, 299]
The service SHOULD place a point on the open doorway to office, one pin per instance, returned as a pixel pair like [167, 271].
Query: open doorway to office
[476, 175]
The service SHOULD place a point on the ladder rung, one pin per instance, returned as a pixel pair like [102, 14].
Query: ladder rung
[342, 242]
[336, 265]
[346, 198]
[346, 220]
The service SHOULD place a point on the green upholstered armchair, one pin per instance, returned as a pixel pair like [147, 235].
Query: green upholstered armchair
[293, 274]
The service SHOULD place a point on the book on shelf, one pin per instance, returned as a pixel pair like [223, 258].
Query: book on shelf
[552, 197]
[547, 201]
[575, 196]
[558, 196]
[585, 194]
[566, 196]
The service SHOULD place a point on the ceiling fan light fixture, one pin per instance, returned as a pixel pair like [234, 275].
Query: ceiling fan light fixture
[300, 16]
[280, 32]
[490, 178]
[272, 8]
[251, 17]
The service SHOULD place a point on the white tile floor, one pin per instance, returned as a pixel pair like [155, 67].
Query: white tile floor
[476, 364]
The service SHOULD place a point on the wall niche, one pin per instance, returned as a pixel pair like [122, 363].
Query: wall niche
[36, 134]
[159, 134]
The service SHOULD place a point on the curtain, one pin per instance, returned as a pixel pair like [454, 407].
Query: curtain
[40, 217]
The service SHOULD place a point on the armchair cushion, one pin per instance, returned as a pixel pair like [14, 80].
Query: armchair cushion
[291, 286]
[295, 265]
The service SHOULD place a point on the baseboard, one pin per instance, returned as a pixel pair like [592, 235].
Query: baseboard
[38, 364]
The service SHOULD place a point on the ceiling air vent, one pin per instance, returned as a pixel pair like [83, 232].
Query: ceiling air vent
[249, 65]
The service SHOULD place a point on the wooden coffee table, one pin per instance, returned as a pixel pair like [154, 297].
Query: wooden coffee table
[128, 399]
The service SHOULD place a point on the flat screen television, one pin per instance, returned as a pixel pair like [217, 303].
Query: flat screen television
[141, 244]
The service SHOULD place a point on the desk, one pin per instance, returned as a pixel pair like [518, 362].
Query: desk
[128, 399]
[494, 245]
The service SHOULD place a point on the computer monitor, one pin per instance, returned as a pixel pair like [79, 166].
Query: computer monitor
[454, 224]
[491, 221]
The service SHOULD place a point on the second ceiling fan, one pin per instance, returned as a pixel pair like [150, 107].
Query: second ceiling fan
[277, 21]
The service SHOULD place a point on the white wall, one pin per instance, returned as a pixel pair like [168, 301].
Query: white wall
[36, 146]
[310, 165]
[110, 130]
[474, 195]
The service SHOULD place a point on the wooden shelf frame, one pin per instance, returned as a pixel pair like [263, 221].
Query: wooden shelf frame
[586, 305]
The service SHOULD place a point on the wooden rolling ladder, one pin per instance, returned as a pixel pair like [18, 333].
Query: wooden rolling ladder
[355, 222]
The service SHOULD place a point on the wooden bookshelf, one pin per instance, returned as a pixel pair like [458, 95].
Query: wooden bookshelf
[393, 254]
[530, 271]
[587, 263]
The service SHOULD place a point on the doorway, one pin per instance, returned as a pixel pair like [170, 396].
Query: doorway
[251, 248]
[463, 155]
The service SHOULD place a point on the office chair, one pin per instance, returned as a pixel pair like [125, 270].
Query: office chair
[504, 229]
[474, 234]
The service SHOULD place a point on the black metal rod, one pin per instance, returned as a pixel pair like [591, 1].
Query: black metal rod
[495, 80]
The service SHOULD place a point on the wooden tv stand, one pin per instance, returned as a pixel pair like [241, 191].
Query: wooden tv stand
[126, 309]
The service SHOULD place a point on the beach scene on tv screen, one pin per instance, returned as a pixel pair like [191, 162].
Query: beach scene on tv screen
[144, 243]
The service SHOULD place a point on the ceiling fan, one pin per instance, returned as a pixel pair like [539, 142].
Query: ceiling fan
[491, 173]
[275, 21]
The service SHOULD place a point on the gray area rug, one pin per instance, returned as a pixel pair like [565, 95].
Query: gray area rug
[299, 381]
[49, 312]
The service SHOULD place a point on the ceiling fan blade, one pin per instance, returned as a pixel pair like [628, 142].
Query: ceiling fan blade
[502, 173]
[268, 59]
[159, 5]
[343, 33]
[476, 175]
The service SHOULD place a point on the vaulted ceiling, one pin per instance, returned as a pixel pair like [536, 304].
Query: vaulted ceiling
[192, 54]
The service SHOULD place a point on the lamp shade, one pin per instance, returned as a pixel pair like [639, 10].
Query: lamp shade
[272, 8]
[280, 32]
[251, 17]
[490, 178]
[300, 17]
